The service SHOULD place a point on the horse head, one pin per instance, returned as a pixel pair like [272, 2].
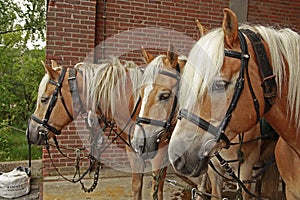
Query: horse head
[217, 98]
[54, 107]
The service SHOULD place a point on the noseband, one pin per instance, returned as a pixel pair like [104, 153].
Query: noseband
[166, 125]
[219, 131]
[56, 93]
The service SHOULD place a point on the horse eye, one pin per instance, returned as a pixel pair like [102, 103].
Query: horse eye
[220, 85]
[164, 96]
[44, 99]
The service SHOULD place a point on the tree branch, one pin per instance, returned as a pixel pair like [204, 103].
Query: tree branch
[14, 31]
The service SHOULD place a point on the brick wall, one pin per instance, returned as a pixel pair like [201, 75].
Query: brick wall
[89, 30]
[70, 38]
[70, 30]
[275, 13]
[132, 24]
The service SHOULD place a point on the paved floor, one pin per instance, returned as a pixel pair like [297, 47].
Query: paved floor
[112, 185]
[109, 188]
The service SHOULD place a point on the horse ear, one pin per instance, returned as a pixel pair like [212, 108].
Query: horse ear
[148, 57]
[54, 64]
[230, 28]
[172, 55]
[201, 28]
[50, 71]
[182, 60]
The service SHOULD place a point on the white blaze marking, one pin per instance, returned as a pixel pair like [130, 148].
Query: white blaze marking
[147, 91]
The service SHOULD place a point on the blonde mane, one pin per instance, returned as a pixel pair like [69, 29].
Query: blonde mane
[206, 59]
[106, 84]
[202, 66]
[154, 66]
[152, 69]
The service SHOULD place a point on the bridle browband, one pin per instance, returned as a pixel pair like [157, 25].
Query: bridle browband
[166, 125]
[269, 86]
[57, 92]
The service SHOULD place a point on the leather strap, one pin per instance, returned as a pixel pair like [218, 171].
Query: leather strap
[268, 78]
[77, 103]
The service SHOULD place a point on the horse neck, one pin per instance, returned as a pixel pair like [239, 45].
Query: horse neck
[284, 127]
[287, 128]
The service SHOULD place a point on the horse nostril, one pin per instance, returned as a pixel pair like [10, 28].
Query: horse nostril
[141, 149]
[179, 163]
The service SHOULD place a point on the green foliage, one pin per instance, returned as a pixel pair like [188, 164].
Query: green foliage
[20, 73]
[20, 76]
[27, 17]
[14, 146]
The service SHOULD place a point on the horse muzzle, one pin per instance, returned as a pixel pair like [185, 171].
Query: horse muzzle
[146, 141]
[37, 134]
[190, 165]
[189, 153]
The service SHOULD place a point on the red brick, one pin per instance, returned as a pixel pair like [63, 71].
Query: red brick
[75, 27]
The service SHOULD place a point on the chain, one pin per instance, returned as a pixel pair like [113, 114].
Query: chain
[95, 180]
[194, 191]
[157, 179]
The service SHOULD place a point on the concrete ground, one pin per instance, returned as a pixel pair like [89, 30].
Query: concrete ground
[108, 188]
[112, 185]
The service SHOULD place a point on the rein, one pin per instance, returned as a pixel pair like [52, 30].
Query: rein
[77, 108]
[93, 162]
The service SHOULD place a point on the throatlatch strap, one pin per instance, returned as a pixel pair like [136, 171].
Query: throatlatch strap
[269, 83]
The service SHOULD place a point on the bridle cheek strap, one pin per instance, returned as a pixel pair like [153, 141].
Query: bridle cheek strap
[52, 103]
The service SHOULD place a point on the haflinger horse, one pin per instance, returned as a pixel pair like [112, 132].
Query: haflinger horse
[157, 118]
[108, 90]
[235, 75]
[155, 123]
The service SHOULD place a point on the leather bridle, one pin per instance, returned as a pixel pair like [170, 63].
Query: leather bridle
[57, 93]
[166, 125]
[269, 86]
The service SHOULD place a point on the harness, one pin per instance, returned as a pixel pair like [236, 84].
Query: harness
[269, 86]
[77, 108]
[57, 91]
[269, 89]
